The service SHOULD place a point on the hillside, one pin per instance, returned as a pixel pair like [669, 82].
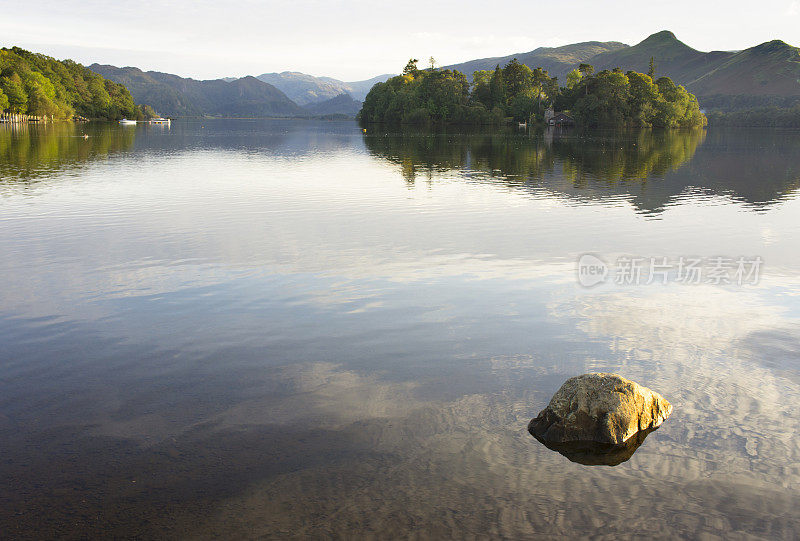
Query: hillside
[746, 78]
[39, 85]
[769, 69]
[343, 104]
[673, 58]
[304, 89]
[172, 95]
[558, 61]
[764, 75]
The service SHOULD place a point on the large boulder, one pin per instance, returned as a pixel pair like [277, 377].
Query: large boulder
[603, 408]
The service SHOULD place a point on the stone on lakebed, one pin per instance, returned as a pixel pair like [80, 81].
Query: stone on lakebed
[603, 408]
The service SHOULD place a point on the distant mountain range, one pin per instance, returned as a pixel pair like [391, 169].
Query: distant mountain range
[767, 74]
[177, 96]
[271, 94]
[558, 61]
[304, 89]
[343, 104]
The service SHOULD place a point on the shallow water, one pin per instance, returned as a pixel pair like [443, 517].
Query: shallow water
[289, 328]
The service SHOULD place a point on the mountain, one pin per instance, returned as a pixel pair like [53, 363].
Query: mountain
[558, 61]
[769, 69]
[672, 57]
[304, 89]
[360, 89]
[767, 74]
[177, 96]
[753, 76]
[343, 104]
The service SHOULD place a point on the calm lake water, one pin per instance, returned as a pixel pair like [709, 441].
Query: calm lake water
[294, 329]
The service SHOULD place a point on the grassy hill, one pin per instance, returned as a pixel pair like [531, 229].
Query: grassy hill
[720, 79]
[769, 69]
[172, 95]
[764, 75]
[558, 61]
[673, 58]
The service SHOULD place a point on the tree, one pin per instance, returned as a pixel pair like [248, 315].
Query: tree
[651, 72]
[643, 96]
[497, 89]
[411, 68]
[39, 85]
[517, 77]
[15, 91]
[573, 78]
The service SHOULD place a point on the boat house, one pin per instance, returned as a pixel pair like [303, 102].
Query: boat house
[551, 118]
[561, 119]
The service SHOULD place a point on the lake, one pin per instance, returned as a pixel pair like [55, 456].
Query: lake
[282, 328]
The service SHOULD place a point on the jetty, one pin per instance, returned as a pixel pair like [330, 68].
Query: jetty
[19, 118]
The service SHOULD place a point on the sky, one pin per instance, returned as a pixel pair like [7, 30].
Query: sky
[358, 39]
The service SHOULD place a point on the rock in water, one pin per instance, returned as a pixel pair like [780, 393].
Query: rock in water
[603, 408]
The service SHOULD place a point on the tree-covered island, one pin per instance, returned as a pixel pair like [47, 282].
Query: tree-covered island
[607, 98]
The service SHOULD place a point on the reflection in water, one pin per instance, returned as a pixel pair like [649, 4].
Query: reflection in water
[30, 151]
[592, 453]
[513, 157]
[649, 168]
[257, 329]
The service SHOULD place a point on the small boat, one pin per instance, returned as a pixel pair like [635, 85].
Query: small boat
[159, 121]
[125, 121]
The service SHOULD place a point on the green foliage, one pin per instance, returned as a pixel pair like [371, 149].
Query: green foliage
[768, 117]
[424, 96]
[607, 98]
[36, 84]
[573, 78]
[629, 99]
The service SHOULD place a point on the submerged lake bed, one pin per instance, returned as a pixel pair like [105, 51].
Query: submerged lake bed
[282, 328]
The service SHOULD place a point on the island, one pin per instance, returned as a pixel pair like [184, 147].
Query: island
[518, 93]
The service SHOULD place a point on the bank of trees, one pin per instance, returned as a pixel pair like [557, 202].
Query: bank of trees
[422, 96]
[760, 117]
[627, 99]
[39, 85]
[521, 93]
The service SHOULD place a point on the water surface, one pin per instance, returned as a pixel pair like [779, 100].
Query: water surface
[288, 329]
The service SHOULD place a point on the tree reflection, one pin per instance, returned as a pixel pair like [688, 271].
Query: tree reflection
[650, 168]
[28, 151]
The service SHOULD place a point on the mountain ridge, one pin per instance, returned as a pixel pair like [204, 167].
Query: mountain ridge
[173, 95]
[305, 89]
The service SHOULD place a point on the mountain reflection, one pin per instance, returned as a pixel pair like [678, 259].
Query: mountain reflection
[651, 169]
[29, 151]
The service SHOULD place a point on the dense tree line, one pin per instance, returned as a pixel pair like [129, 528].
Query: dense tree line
[628, 99]
[519, 92]
[766, 117]
[36, 84]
